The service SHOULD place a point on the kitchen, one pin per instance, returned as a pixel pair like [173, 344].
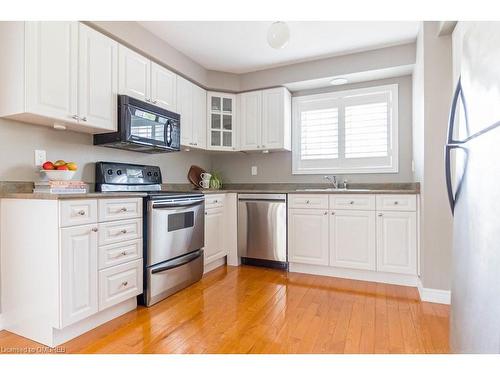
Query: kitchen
[293, 203]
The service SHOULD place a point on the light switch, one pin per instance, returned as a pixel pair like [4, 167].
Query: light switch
[254, 170]
[40, 157]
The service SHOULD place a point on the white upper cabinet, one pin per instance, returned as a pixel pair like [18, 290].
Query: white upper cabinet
[352, 239]
[134, 74]
[250, 116]
[221, 121]
[145, 80]
[265, 120]
[191, 105]
[51, 69]
[199, 117]
[98, 79]
[163, 87]
[58, 73]
[276, 119]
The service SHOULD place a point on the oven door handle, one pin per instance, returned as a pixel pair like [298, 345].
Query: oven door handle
[182, 261]
[187, 203]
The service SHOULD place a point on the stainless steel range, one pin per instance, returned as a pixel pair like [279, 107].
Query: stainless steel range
[173, 226]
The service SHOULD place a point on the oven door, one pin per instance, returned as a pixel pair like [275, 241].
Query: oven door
[175, 228]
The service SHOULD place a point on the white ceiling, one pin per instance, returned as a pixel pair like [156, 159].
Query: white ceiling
[241, 46]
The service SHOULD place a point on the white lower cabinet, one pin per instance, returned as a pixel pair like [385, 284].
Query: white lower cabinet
[396, 242]
[78, 273]
[119, 283]
[374, 234]
[352, 239]
[214, 234]
[308, 236]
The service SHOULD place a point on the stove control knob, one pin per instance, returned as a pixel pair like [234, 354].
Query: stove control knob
[156, 174]
[149, 174]
[110, 171]
[118, 172]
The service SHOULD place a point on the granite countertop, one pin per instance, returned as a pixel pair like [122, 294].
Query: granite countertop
[71, 196]
[20, 190]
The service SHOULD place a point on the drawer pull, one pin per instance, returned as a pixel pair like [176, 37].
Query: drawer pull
[123, 209]
[326, 213]
[308, 201]
[124, 231]
[125, 283]
[380, 215]
[396, 202]
[351, 202]
[81, 212]
[333, 212]
[94, 229]
[216, 201]
[122, 254]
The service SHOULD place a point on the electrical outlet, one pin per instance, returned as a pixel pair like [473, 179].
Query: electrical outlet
[254, 170]
[40, 157]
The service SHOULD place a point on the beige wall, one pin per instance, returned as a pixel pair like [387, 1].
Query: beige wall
[379, 59]
[432, 93]
[19, 140]
[277, 167]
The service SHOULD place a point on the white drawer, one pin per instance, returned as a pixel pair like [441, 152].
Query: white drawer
[399, 202]
[78, 212]
[119, 283]
[214, 200]
[119, 231]
[118, 253]
[352, 202]
[319, 201]
[119, 209]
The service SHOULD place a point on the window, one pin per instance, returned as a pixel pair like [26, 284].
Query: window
[354, 131]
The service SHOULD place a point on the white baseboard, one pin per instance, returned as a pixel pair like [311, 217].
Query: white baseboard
[215, 264]
[347, 273]
[434, 295]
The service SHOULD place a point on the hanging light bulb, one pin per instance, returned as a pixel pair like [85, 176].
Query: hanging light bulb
[278, 35]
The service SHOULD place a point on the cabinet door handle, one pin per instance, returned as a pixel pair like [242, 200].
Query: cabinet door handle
[124, 231]
[84, 119]
[308, 201]
[148, 100]
[94, 229]
[125, 283]
[155, 101]
[81, 212]
[75, 117]
[396, 202]
[326, 213]
[333, 212]
[380, 215]
[123, 209]
[351, 202]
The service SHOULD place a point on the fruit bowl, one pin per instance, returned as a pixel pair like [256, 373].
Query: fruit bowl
[58, 175]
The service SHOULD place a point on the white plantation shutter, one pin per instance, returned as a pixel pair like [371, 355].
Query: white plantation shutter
[319, 134]
[366, 130]
[353, 131]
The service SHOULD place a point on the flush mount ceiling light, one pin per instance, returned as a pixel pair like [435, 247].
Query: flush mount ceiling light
[338, 81]
[278, 35]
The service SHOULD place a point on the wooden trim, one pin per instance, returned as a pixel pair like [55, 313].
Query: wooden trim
[363, 275]
[433, 295]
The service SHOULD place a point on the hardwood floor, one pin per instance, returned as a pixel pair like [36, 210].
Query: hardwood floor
[256, 310]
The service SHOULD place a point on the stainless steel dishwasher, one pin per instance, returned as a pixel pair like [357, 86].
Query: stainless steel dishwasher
[262, 230]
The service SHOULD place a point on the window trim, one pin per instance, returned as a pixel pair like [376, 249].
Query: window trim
[338, 96]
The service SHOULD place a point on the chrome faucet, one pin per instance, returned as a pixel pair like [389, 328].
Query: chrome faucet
[332, 180]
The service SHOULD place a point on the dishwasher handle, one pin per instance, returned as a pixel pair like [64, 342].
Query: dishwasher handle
[261, 200]
[262, 197]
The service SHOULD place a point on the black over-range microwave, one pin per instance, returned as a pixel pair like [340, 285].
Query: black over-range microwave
[143, 127]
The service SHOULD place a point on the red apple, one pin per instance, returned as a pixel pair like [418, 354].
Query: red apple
[62, 168]
[48, 166]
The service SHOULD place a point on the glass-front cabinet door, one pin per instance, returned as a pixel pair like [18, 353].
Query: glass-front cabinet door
[221, 121]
